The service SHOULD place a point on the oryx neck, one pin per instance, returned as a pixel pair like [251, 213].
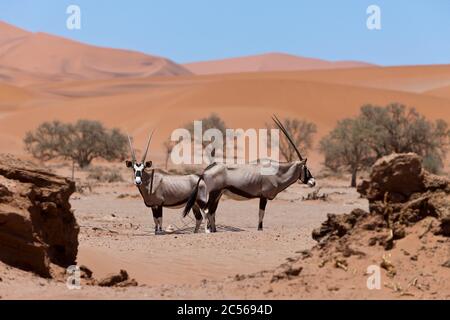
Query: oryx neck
[148, 181]
[289, 173]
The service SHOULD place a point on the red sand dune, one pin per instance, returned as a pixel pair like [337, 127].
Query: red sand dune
[11, 96]
[443, 92]
[267, 62]
[53, 58]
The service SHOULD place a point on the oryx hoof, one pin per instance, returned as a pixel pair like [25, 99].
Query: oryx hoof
[159, 232]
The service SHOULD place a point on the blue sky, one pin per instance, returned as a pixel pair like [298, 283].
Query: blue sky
[413, 31]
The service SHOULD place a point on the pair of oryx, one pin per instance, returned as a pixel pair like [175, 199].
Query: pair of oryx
[202, 193]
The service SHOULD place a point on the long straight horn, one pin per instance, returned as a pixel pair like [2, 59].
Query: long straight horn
[133, 155]
[282, 128]
[146, 150]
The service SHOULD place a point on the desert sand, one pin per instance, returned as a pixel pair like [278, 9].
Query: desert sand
[116, 232]
[237, 262]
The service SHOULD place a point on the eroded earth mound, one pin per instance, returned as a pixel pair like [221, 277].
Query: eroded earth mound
[38, 231]
[400, 193]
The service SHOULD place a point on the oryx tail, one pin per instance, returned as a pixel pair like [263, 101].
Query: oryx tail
[192, 198]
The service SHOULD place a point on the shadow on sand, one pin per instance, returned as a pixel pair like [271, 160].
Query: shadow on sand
[190, 230]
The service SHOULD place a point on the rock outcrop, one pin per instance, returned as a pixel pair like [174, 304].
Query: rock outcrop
[400, 193]
[38, 230]
[120, 279]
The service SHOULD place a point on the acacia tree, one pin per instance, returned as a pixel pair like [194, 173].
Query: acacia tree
[81, 142]
[345, 147]
[302, 133]
[379, 131]
[396, 128]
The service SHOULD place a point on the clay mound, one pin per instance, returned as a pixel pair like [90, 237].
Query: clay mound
[38, 230]
[409, 221]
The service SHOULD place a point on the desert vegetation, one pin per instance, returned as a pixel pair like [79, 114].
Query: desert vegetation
[356, 143]
[80, 142]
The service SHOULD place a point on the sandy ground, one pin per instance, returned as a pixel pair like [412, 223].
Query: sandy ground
[117, 233]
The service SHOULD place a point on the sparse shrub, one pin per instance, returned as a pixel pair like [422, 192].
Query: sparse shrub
[316, 195]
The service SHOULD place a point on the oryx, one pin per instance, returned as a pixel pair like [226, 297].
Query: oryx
[160, 190]
[247, 181]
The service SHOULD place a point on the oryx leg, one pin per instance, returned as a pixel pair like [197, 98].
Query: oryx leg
[262, 210]
[198, 218]
[211, 211]
[157, 217]
[212, 214]
[208, 223]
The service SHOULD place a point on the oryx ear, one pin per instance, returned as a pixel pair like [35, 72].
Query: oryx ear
[306, 159]
[148, 164]
[129, 164]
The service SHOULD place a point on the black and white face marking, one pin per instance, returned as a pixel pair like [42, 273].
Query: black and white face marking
[306, 177]
[138, 169]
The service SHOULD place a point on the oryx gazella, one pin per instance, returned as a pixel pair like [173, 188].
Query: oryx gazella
[160, 190]
[246, 181]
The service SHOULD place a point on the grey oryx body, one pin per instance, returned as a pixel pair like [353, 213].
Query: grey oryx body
[248, 181]
[160, 190]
